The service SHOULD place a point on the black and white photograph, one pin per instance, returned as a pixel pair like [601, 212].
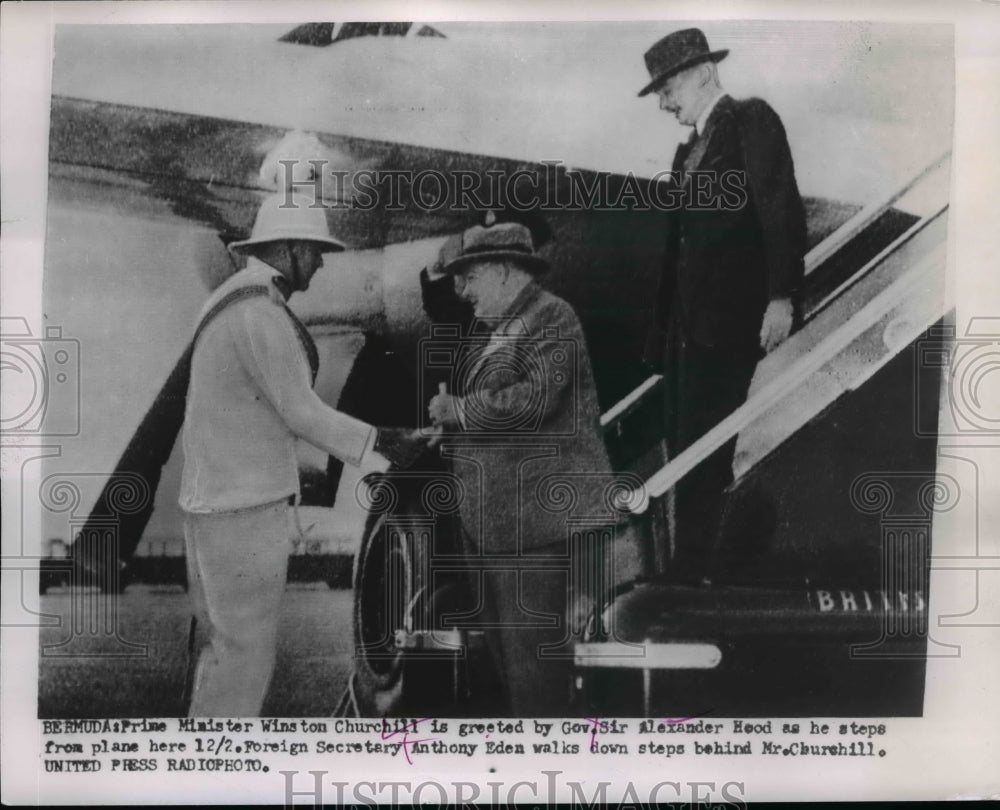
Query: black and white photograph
[462, 396]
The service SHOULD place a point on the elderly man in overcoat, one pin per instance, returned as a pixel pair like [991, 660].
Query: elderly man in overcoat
[731, 275]
[523, 435]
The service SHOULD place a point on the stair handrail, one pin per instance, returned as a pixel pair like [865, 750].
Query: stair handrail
[867, 215]
[836, 240]
[660, 482]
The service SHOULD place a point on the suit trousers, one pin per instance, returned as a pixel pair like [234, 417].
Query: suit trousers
[237, 566]
[704, 386]
[526, 610]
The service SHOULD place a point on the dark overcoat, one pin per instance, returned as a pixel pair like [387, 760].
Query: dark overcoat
[727, 258]
[530, 454]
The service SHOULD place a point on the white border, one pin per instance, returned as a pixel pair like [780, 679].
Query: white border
[951, 752]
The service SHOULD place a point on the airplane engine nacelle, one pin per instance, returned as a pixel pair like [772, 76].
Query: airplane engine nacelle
[368, 290]
[371, 291]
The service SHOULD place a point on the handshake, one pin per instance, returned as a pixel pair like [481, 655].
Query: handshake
[401, 447]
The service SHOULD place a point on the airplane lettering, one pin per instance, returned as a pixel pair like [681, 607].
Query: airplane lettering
[825, 601]
[898, 601]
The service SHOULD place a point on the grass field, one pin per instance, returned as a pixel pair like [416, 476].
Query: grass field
[89, 670]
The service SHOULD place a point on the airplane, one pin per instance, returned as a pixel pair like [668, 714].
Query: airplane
[165, 138]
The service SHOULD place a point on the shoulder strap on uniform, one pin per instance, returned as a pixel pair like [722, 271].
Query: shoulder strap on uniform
[236, 295]
[253, 291]
[307, 343]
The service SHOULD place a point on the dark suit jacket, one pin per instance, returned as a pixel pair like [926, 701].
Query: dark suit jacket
[530, 453]
[723, 266]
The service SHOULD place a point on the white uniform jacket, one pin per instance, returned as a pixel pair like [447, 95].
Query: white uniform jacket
[249, 397]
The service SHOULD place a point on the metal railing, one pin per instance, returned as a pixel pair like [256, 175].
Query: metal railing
[825, 250]
[772, 393]
[628, 403]
[867, 215]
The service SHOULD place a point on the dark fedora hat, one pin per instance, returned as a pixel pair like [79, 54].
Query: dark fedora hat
[674, 53]
[499, 242]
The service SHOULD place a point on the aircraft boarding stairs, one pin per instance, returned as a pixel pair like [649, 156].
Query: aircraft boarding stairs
[817, 604]
[818, 595]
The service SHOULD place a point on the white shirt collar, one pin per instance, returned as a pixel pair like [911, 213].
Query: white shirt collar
[699, 125]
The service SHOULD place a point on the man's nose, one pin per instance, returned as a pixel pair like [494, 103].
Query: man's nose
[664, 103]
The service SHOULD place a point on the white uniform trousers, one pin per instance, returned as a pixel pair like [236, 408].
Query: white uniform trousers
[237, 564]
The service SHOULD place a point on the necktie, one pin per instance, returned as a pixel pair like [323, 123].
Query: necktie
[691, 154]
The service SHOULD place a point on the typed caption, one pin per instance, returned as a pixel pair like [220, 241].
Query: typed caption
[269, 745]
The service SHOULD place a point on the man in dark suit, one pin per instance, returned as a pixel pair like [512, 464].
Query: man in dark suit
[731, 275]
[523, 436]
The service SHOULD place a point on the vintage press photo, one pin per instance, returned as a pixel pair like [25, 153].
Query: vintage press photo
[524, 410]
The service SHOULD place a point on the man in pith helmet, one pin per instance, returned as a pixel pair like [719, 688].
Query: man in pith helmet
[250, 397]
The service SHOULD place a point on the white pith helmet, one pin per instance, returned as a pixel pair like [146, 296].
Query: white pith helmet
[285, 216]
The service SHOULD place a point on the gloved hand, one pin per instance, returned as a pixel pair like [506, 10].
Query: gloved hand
[449, 251]
[401, 446]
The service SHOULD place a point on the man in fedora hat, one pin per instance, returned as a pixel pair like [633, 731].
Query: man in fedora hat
[437, 290]
[522, 413]
[249, 398]
[731, 276]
